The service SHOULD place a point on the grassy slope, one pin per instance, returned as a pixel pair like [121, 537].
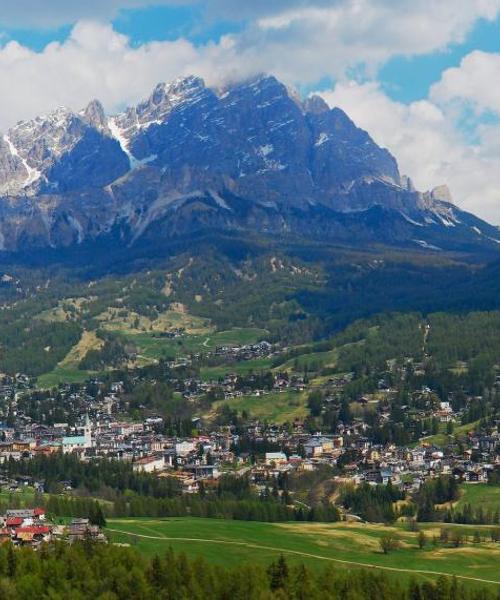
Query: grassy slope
[314, 359]
[144, 333]
[229, 542]
[441, 439]
[275, 407]
[481, 494]
[153, 348]
[67, 370]
[241, 368]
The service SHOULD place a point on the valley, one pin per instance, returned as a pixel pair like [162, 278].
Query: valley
[253, 340]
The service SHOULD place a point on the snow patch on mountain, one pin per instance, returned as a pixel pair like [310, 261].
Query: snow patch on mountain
[426, 245]
[119, 136]
[323, 138]
[412, 221]
[32, 174]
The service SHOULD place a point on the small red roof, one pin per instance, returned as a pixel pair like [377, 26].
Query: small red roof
[14, 521]
[43, 529]
[38, 511]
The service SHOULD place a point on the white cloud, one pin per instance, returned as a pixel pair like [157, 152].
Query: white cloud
[473, 82]
[95, 62]
[299, 41]
[428, 145]
[317, 40]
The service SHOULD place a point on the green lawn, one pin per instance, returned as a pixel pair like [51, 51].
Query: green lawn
[346, 545]
[241, 368]
[275, 407]
[237, 337]
[25, 495]
[62, 375]
[480, 494]
[313, 361]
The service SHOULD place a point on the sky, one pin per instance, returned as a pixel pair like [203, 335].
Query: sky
[421, 76]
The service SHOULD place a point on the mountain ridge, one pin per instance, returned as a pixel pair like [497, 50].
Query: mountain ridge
[250, 156]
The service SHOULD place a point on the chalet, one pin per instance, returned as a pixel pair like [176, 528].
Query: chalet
[418, 456]
[475, 476]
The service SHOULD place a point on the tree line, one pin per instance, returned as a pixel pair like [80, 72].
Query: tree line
[108, 572]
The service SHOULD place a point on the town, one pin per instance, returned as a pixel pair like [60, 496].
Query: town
[342, 437]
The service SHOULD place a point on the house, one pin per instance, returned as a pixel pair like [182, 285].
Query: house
[81, 529]
[5, 535]
[202, 471]
[313, 447]
[149, 464]
[184, 448]
[14, 522]
[418, 456]
[24, 517]
[275, 457]
[32, 534]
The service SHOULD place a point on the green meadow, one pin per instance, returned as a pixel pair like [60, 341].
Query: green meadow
[276, 407]
[346, 545]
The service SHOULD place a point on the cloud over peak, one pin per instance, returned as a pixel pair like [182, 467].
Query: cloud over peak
[449, 136]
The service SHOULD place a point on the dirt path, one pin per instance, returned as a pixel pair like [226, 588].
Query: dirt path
[205, 343]
[305, 554]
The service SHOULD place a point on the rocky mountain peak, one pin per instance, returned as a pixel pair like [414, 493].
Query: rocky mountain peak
[316, 105]
[407, 183]
[95, 116]
[252, 155]
[442, 193]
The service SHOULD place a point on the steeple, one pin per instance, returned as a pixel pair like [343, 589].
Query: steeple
[87, 432]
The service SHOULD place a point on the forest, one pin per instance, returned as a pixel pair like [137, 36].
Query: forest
[125, 493]
[108, 572]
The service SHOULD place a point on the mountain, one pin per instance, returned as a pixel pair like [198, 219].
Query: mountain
[249, 158]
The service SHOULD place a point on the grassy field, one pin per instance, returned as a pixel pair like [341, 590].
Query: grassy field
[67, 370]
[24, 496]
[441, 438]
[313, 361]
[480, 494]
[346, 545]
[125, 321]
[274, 407]
[241, 368]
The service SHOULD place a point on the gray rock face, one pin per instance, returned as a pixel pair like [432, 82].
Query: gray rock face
[251, 157]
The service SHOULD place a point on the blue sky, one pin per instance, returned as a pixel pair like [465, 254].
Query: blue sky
[419, 75]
